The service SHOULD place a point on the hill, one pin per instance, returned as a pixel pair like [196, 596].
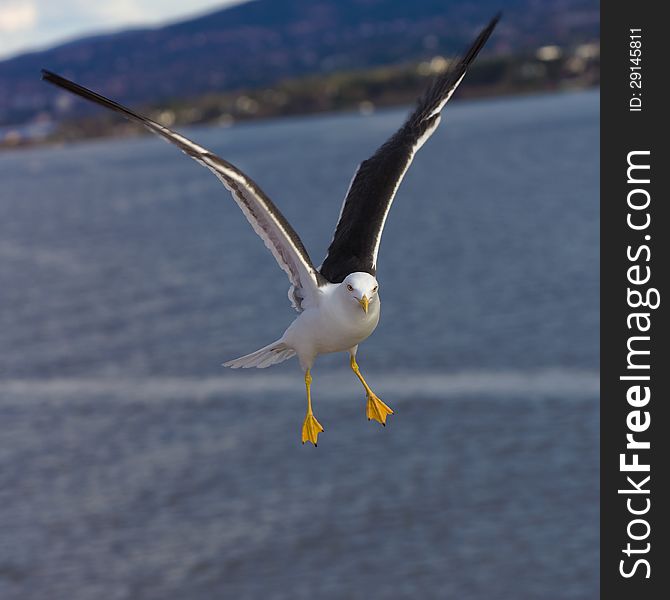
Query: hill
[264, 41]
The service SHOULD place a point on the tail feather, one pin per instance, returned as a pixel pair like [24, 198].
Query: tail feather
[269, 355]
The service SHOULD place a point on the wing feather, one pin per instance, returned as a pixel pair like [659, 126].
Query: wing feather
[265, 218]
[366, 205]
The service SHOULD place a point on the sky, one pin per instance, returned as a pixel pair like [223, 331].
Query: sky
[35, 24]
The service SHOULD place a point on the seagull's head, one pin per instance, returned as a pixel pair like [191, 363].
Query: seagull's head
[361, 288]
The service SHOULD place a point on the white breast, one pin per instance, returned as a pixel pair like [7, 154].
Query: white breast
[334, 325]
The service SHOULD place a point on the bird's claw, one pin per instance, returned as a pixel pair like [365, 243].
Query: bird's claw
[311, 429]
[377, 410]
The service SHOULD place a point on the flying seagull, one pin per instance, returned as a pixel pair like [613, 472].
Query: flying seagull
[338, 303]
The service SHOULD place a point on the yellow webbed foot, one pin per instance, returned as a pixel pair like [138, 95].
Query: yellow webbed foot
[377, 409]
[311, 429]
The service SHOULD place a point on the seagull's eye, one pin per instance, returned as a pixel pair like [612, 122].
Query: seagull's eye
[374, 289]
[350, 288]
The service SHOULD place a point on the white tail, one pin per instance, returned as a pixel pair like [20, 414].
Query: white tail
[269, 355]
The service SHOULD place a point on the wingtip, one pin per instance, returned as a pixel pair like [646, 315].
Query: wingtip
[492, 24]
[50, 76]
[481, 40]
[494, 21]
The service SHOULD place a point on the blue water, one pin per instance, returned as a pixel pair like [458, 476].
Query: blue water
[133, 466]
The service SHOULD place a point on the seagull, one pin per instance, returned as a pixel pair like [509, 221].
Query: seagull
[338, 303]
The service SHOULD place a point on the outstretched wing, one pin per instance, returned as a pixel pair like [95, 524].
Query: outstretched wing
[265, 218]
[368, 200]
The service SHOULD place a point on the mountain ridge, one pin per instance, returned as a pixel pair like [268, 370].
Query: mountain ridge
[263, 41]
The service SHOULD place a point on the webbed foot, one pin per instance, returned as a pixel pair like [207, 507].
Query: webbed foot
[376, 409]
[311, 429]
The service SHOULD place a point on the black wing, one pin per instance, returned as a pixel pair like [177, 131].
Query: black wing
[265, 218]
[366, 205]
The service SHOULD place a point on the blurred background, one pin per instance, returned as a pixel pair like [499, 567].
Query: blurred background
[133, 466]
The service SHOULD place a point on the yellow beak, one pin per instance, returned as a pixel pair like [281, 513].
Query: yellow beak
[364, 303]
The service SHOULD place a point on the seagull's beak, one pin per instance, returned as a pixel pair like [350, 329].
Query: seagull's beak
[364, 302]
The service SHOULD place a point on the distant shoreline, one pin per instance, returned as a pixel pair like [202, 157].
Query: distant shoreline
[547, 69]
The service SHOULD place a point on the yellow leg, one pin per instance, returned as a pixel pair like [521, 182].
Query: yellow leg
[311, 428]
[376, 409]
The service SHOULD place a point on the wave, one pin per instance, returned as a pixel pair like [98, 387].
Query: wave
[551, 382]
